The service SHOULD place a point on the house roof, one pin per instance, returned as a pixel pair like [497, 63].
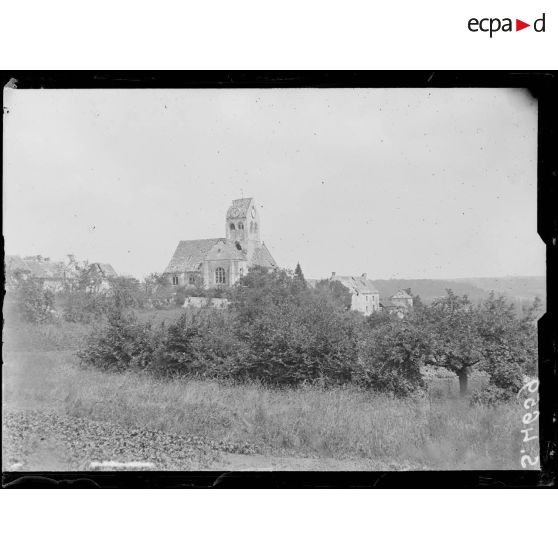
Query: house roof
[263, 257]
[402, 294]
[43, 269]
[356, 283]
[239, 208]
[106, 269]
[189, 254]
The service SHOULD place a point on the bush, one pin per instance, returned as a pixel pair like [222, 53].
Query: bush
[83, 307]
[279, 331]
[199, 344]
[123, 343]
[490, 395]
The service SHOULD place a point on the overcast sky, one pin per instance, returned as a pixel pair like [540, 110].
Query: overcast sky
[406, 183]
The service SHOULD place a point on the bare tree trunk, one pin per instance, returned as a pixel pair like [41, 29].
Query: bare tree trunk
[463, 375]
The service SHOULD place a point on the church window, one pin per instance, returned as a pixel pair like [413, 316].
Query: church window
[251, 226]
[238, 246]
[242, 272]
[192, 280]
[231, 226]
[220, 276]
[175, 280]
[255, 227]
[240, 226]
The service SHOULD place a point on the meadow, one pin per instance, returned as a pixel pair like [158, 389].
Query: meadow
[301, 427]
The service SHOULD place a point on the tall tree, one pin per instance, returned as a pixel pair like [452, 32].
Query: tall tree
[299, 276]
[489, 335]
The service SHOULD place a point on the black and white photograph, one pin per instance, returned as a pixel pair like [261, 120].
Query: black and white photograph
[271, 279]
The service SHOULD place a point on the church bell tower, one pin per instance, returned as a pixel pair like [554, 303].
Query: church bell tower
[243, 224]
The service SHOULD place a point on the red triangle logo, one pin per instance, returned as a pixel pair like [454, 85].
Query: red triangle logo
[519, 25]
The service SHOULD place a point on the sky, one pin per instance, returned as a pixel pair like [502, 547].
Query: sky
[402, 183]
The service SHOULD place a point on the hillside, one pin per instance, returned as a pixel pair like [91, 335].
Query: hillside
[522, 288]
[518, 289]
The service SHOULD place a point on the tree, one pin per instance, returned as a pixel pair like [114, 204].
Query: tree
[459, 335]
[509, 342]
[125, 292]
[34, 302]
[299, 276]
[391, 352]
[261, 288]
[337, 291]
[291, 334]
[452, 335]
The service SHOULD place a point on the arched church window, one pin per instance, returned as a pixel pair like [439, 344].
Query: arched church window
[220, 276]
[231, 226]
[240, 226]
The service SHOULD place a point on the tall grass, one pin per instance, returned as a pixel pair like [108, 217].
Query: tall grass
[341, 423]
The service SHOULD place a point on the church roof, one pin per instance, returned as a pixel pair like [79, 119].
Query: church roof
[356, 284]
[226, 250]
[263, 257]
[189, 254]
[239, 208]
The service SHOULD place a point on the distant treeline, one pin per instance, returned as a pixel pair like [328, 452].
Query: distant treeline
[516, 289]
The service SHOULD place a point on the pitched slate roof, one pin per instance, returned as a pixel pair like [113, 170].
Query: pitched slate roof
[226, 250]
[356, 284]
[189, 254]
[239, 208]
[263, 257]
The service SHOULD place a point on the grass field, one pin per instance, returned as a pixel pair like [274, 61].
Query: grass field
[291, 428]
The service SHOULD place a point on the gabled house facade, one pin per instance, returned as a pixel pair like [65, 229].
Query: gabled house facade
[365, 297]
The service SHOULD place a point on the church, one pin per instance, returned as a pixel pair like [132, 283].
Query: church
[220, 262]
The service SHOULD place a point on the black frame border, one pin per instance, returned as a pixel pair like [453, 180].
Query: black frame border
[543, 85]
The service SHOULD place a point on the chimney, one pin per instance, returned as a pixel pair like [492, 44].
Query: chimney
[364, 275]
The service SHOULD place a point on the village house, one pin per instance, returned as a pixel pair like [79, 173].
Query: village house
[365, 297]
[399, 303]
[51, 273]
[101, 274]
[54, 275]
[216, 262]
